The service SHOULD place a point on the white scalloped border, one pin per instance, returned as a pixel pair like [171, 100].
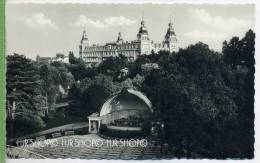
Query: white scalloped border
[257, 76]
[133, 1]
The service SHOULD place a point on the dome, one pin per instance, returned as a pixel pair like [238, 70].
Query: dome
[126, 101]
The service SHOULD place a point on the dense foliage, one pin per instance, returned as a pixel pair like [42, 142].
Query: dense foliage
[204, 98]
[194, 94]
[25, 103]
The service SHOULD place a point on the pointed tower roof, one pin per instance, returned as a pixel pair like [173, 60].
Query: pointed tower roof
[170, 31]
[119, 38]
[84, 35]
[142, 30]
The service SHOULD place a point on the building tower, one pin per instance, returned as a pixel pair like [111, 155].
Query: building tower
[119, 38]
[170, 39]
[143, 38]
[83, 43]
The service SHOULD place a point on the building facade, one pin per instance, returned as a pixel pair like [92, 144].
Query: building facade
[94, 54]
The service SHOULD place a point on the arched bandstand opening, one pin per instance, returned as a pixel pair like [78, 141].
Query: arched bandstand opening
[125, 114]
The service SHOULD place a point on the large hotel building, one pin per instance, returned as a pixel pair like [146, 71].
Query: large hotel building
[94, 54]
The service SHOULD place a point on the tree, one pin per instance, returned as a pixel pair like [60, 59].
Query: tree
[240, 52]
[74, 97]
[243, 83]
[83, 94]
[25, 104]
[112, 66]
[196, 104]
[80, 71]
[56, 80]
[72, 58]
[101, 87]
[51, 79]
[66, 78]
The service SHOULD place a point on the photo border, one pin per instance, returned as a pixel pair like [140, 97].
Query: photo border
[2, 81]
[3, 77]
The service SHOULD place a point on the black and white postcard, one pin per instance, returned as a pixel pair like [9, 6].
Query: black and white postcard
[130, 81]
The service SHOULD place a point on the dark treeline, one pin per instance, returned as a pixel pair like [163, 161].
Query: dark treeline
[204, 98]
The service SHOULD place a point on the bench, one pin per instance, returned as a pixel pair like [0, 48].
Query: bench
[40, 138]
[67, 133]
[57, 134]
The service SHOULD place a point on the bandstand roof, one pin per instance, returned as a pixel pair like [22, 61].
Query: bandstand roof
[130, 100]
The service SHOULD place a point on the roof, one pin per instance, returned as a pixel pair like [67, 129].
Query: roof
[94, 115]
[130, 100]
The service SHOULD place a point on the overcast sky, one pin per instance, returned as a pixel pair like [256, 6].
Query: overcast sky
[47, 29]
